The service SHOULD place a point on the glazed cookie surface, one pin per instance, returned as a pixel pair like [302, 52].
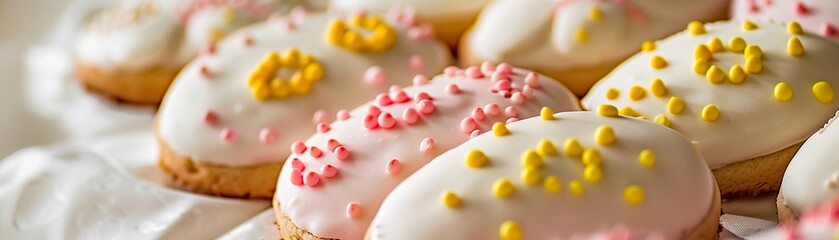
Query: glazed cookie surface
[820, 17]
[581, 172]
[332, 185]
[741, 90]
[813, 175]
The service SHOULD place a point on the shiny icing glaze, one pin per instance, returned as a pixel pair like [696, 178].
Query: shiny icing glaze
[767, 111]
[813, 175]
[343, 205]
[677, 181]
[426, 10]
[820, 17]
[547, 34]
[211, 115]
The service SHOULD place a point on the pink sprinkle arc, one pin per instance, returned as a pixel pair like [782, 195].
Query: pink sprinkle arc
[410, 116]
[297, 178]
[532, 80]
[209, 49]
[353, 210]
[828, 29]
[375, 76]
[341, 153]
[453, 88]
[451, 71]
[801, 9]
[517, 98]
[427, 145]
[205, 71]
[227, 135]
[504, 85]
[422, 96]
[328, 171]
[320, 116]
[527, 92]
[474, 73]
[312, 179]
[511, 120]
[487, 68]
[267, 136]
[478, 114]
[383, 99]
[393, 166]
[492, 109]
[420, 80]
[505, 68]
[468, 125]
[511, 111]
[373, 110]
[386, 120]
[475, 134]
[211, 118]
[343, 114]
[400, 96]
[298, 165]
[416, 63]
[315, 152]
[298, 147]
[323, 127]
[332, 144]
[426, 107]
[371, 122]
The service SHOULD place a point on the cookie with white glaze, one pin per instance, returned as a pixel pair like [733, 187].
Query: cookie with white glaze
[582, 172]
[577, 42]
[225, 124]
[821, 17]
[334, 182]
[449, 18]
[748, 93]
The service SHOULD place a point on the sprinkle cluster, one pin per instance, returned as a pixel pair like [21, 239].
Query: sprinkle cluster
[265, 82]
[382, 36]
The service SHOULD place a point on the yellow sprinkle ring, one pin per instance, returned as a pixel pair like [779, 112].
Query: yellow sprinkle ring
[736, 74]
[573, 148]
[702, 52]
[592, 157]
[716, 45]
[753, 51]
[531, 176]
[265, 84]
[552, 184]
[823, 92]
[753, 65]
[476, 159]
[592, 173]
[701, 66]
[510, 230]
[715, 75]
[547, 148]
[576, 187]
[531, 158]
[382, 36]
[737, 44]
[634, 194]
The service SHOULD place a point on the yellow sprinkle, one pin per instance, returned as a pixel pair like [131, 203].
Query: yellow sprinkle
[450, 199]
[736, 75]
[710, 113]
[607, 110]
[499, 129]
[696, 28]
[216, 34]
[552, 184]
[335, 32]
[737, 44]
[823, 92]
[701, 66]
[531, 175]
[658, 62]
[662, 120]
[783, 92]
[582, 35]
[634, 194]
[648, 46]
[702, 52]
[358, 20]
[373, 22]
[353, 41]
[291, 58]
[503, 188]
[748, 26]
[573, 148]
[280, 88]
[647, 158]
[676, 105]
[637, 93]
[612, 94]
[657, 88]
[547, 113]
[576, 187]
[261, 93]
[531, 159]
[547, 148]
[794, 47]
[794, 28]
[299, 85]
[716, 45]
[476, 159]
[592, 173]
[510, 230]
[754, 65]
[628, 111]
[313, 71]
[715, 75]
[592, 157]
[595, 14]
[753, 51]
[642, 117]
[605, 135]
[228, 14]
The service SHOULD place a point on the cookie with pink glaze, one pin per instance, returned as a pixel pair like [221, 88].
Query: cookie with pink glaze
[333, 183]
[820, 17]
[820, 221]
[225, 123]
[555, 177]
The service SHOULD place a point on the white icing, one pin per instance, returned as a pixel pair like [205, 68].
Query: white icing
[751, 123]
[811, 176]
[226, 92]
[679, 182]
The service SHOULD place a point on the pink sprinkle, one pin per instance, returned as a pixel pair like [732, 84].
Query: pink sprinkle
[371, 122]
[426, 107]
[331, 144]
[487, 68]
[343, 114]
[227, 135]
[410, 116]
[400, 96]
[409, 17]
[532, 80]
[328, 171]
[511, 120]
[421, 33]
[297, 178]
[801, 9]
[527, 92]
[383, 99]
[468, 125]
[511, 111]
[373, 110]
[315, 152]
[298, 165]
[416, 63]
[451, 71]
[320, 116]
[375, 76]
[422, 96]
[312, 179]
[478, 114]
[828, 29]
[353, 210]
[205, 71]
[505, 94]
[211, 118]
[492, 109]
[298, 13]
[247, 40]
[386, 120]
[427, 145]
[474, 73]
[453, 88]
[267, 136]
[517, 98]
[498, 76]
[393, 166]
[209, 49]
[394, 88]
[475, 133]
[323, 127]
[504, 85]
[298, 147]
[341, 153]
[505, 68]
[420, 80]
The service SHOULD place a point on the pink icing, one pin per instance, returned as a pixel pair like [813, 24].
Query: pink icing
[815, 16]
